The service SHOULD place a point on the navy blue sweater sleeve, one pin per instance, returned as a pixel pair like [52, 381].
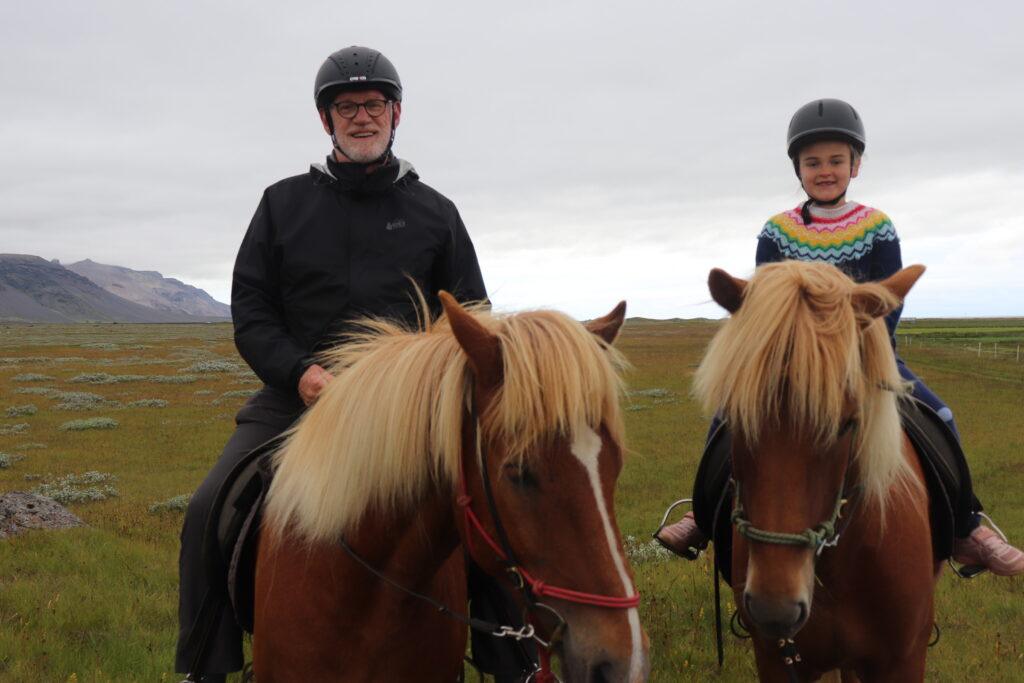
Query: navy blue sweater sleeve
[887, 260]
[261, 333]
[767, 251]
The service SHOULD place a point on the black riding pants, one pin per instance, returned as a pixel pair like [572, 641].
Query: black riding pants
[263, 417]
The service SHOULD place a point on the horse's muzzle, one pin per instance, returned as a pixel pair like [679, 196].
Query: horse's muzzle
[775, 619]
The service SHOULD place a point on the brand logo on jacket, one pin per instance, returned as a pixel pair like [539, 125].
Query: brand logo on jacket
[395, 224]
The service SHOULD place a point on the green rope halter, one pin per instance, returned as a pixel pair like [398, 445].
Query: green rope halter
[814, 538]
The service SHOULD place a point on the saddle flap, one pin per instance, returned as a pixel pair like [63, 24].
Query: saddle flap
[230, 540]
[712, 496]
[945, 471]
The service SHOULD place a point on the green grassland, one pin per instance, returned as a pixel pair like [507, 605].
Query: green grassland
[98, 604]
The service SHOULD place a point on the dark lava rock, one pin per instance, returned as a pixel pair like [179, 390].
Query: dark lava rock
[20, 511]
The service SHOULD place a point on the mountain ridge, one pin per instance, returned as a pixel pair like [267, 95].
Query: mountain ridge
[33, 289]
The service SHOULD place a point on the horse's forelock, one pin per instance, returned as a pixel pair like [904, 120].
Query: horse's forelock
[558, 379]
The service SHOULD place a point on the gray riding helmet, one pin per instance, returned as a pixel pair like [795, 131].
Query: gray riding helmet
[356, 68]
[826, 119]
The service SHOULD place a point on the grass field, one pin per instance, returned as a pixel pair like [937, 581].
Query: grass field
[147, 408]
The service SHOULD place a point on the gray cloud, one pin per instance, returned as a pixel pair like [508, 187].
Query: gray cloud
[596, 153]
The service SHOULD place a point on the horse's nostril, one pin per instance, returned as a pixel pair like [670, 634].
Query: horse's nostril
[603, 673]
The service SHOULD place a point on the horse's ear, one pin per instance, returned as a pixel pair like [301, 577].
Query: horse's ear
[867, 300]
[726, 290]
[608, 327]
[900, 283]
[482, 347]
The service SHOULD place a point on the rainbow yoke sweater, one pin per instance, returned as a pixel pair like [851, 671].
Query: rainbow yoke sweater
[858, 239]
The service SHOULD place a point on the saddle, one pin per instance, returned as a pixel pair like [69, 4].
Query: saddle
[946, 475]
[231, 538]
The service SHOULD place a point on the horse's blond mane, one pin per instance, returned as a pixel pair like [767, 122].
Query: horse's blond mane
[797, 347]
[388, 427]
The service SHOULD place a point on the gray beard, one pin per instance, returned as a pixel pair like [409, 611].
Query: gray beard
[358, 158]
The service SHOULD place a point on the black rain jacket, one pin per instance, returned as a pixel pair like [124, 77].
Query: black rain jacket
[335, 244]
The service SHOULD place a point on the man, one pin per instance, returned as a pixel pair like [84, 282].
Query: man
[345, 240]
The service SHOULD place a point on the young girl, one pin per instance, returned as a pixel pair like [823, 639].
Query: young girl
[826, 141]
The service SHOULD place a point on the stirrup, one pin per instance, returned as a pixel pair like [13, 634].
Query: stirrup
[967, 571]
[690, 553]
[970, 571]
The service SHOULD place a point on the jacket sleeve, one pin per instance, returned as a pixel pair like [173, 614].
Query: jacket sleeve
[458, 271]
[261, 331]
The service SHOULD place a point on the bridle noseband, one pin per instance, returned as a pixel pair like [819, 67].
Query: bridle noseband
[823, 535]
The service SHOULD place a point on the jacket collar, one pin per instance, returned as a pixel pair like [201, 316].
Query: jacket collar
[352, 178]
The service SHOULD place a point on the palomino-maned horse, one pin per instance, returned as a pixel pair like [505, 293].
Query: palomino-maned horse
[501, 435]
[804, 374]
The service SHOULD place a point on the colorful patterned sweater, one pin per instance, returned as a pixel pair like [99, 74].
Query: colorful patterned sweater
[858, 239]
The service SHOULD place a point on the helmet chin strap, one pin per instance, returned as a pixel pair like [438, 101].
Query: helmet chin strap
[831, 202]
[805, 211]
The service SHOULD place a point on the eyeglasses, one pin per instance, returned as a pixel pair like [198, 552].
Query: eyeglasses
[349, 110]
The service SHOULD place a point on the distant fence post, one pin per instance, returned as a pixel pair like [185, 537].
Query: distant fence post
[979, 349]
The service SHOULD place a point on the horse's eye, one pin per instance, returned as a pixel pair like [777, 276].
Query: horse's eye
[520, 474]
[847, 426]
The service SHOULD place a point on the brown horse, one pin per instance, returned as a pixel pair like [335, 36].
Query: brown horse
[500, 435]
[830, 504]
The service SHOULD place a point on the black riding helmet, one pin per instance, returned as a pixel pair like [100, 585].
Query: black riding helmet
[826, 119]
[356, 68]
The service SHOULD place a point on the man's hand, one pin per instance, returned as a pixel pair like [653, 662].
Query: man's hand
[312, 382]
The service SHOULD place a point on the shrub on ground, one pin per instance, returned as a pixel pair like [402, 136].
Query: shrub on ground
[172, 379]
[173, 504]
[32, 377]
[6, 460]
[148, 403]
[78, 488]
[90, 423]
[21, 411]
[104, 378]
[19, 428]
[208, 366]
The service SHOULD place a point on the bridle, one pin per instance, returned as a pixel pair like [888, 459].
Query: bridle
[529, 588]
[523, 581]
[825, 534]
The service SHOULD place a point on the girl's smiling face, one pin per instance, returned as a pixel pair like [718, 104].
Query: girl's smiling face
[825, 170]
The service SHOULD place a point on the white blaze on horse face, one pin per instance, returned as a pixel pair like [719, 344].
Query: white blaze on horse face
[587, 449]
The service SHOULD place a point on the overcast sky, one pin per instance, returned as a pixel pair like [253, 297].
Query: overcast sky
[598, 151]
